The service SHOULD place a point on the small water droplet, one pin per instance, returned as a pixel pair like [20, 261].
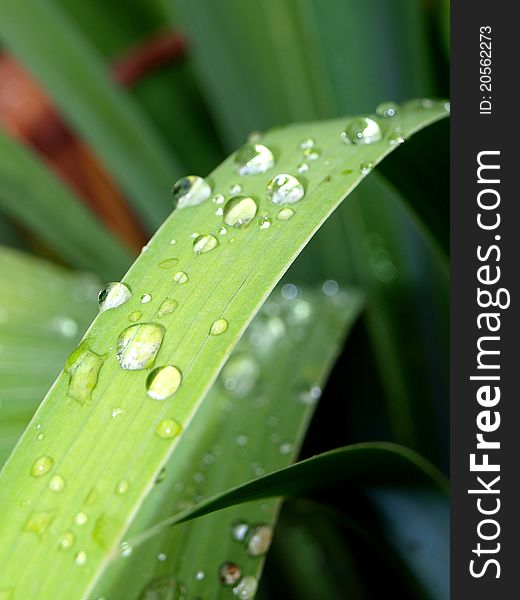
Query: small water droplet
[125, 549]
[258, 540]
[362, 130]
[161, 557]
[219, 199]
[173, 241]
[81, 558]
[235, 189]
[242, 440]
[41, 466]
[56, 483]
[113, 295]
[122, 487]
[83, 366]
[168, 428]
[219, 326]
[81, 518]
[117, 412]
[219, 212]
[239, 211]
[66, 540]
[446, 106]
[163, 382]
[38, 522]
[387, 110]
[199, 575]
[135, 316]
[168, 263]
[284, 189]
[40, 437]
[204, 243]
[395, 137]
[168, 305]
[303, 168]
[239, 530]
[144, 249]
[229, 573]
[252, 159]
[145, 298]
[285, 448]
[180, 277]
[311, 154]
[366, 166]
[222, 231]
[330, 287]
[190, 191]
[285, 214]
[138, 345]
[307, 144]
[247, 587]
[264, 222]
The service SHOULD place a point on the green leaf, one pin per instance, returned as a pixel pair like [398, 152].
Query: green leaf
[42, 37]
[44, 310]
[32, 195]
[229, 282]
[252, 422]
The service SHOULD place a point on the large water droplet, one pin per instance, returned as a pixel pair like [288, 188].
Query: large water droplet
[204, 243]
[168, 428]
[229, 573]
[138, 345]
[167, 307]
[41, 466]
[190, 191]
[253, 158]
[56, 483]
[180, 277]
[38, 521]
[387, 110]
[285, 189]
[113, 295]
[163, 382]
[239, 211]
[259, 539]
[247, 587]
[83, 366]
[362, 130]
[219, 326]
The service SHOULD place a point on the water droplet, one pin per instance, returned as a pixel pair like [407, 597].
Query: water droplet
[264, 222]
[219, 199]
[190, 191]
[219, 212]
[173, 241]
[446, 106]
[125, 549]
[366, 166]
[219, 326]
[180, 277]
[38, 521]
[113, 295]
[258, 540]
[135, 316]
[284, 189]
[163, 588]
[240, 375]
[66, 540]
[41, 466]
[56, 483]
[105, 530]
[311, 154]
[239, 211]
[138, 345]
[163, 382]
[168, 428]
[387, 109]
[199, 575]
[167, 307]
[117, 412]
[289, 291]
[307, 144]
[144, 249]
[80, 558]
[242, 440]
[222, 231]
[122, 487]
[239, 531]
[303, 168]
[168, 263]
[330, 287]
[83, 366]
[234, 189]
[247, 587]
[40, 437]
[161, 557]
[81, 518]
[252, 159]
[285, 448]
[204, 243]
[395, 137]
[362, 130]
[229, 573]
[145, 298]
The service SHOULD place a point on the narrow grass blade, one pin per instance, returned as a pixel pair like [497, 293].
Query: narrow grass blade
[42, 37]
[33, 196]
[229, 281]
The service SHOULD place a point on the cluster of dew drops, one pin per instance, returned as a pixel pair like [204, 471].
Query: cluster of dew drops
[139, 344]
